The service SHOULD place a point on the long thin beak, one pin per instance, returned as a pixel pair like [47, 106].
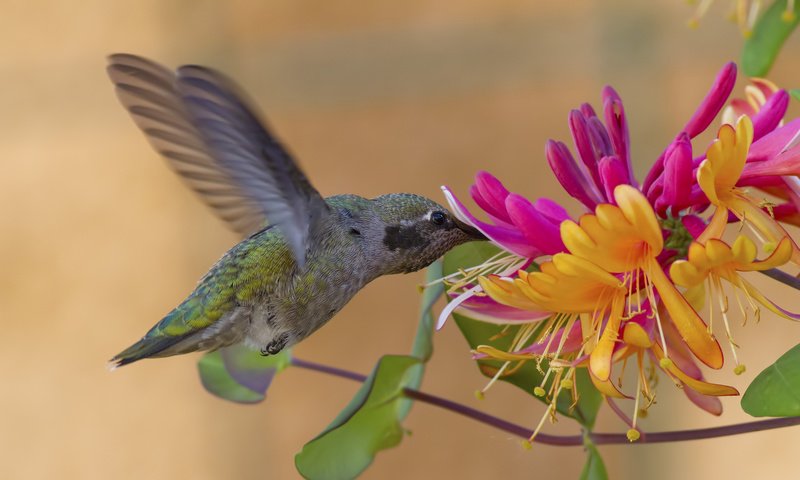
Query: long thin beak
[473, 232]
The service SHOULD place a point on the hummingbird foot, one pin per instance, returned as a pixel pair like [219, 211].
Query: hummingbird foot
[276, 345]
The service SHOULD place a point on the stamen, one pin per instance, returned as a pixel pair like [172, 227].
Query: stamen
[494, 379]
[550, 407]
[636, 404]
[710, 328]
[652, 297]
[723, 306]
[699, 13]
[788, 15]
[752, 15]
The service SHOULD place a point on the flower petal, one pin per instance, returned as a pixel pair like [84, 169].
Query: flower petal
[691, 327]
[613, 172]
[538, 229]
[509, 239]
[572, 178]
[713, 102]
[677, 176]
[771, 114]
[699, 386]
[617, 126]
[583, 144]
[490, 194]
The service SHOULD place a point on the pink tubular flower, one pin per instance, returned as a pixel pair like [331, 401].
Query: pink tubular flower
[526, 229]
[628, 278]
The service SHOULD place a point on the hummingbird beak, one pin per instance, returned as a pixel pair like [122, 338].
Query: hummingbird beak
[472, 232]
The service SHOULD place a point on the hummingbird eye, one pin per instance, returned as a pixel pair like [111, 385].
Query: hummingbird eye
[438, 218]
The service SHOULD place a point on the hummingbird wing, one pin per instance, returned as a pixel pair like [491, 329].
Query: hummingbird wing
[201, 122]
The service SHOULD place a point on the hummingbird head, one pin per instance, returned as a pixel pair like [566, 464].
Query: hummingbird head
[416, 231]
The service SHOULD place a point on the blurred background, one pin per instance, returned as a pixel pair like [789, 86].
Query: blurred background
[100, 238]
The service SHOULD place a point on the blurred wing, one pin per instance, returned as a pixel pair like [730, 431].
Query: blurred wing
[200, 123]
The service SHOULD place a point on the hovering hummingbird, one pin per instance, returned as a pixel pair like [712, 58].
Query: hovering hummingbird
[304, 256]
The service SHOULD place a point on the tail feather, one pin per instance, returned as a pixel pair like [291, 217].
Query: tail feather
[145, 348]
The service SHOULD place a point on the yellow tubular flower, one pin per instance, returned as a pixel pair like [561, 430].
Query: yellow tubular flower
[717, 260]
[626, 239]
[717, 177]
[572, 285]
[504, 291]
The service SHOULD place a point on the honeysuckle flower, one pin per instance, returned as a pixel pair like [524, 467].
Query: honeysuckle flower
[764, 102]
[627, 240]
[718, 176]
[715, 260]
[487, 309]
[603, 151]
[526, 229]
[599, 293]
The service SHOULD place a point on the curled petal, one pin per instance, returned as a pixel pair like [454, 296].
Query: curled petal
[677, 176]
[450, 307]
[488, 310]
[571, 177]
[606, 387]
[613, 172]
[774, 142]
[507, 238]
[504, 291]
[786, 163]
[640, 214]
[691, 327]
[600, 359]
[697, 385]
[771, 114]
[490, 194]
[636, 336]
[583, 143]
[714, 101]
[708, 403]
[540, 230]
[618, 129]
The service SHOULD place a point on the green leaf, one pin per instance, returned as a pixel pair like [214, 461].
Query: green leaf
[775, 392]
[768, 36]
[467, 255]
[594, 468]
[368, 424]
[528, 376]
[795, 92]
[239, 374]
[371, 421]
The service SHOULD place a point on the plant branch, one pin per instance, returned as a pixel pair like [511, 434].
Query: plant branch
[782, 277]
[559, 440]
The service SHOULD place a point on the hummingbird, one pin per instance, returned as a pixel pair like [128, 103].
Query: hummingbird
[303, 256]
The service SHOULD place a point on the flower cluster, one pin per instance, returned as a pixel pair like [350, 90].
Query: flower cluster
[626, 280]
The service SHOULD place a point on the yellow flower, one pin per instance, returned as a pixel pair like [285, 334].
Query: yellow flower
[717, 177]
[717, 260]
[626, 239]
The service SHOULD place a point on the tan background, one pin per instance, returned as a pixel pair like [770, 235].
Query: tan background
[100, 239]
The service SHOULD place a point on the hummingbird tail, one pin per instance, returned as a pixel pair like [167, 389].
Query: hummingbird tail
[145, 348]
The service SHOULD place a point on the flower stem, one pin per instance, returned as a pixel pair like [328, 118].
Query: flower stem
[783, 277]
[561, 440]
